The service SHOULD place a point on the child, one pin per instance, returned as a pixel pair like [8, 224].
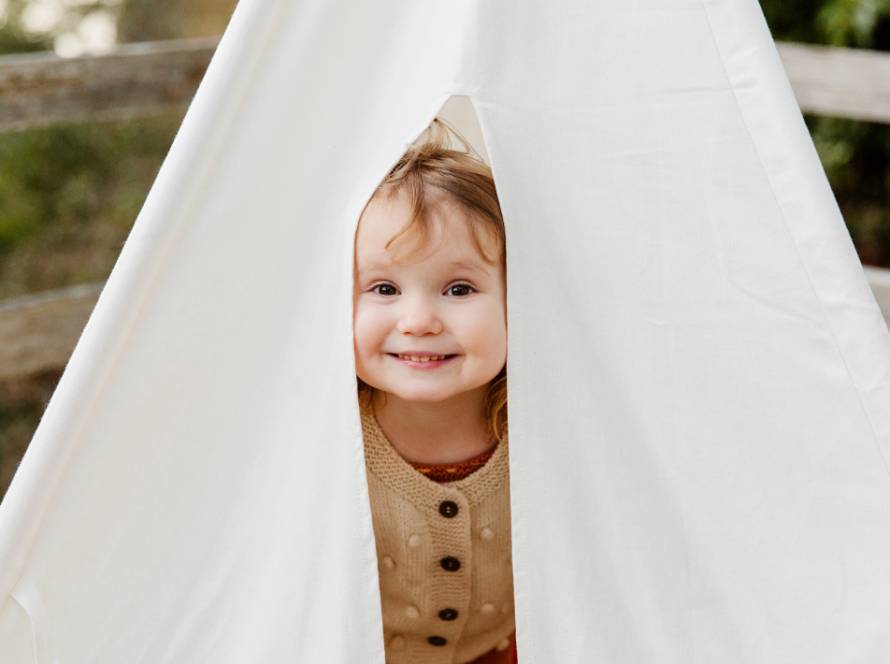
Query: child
[430, 336]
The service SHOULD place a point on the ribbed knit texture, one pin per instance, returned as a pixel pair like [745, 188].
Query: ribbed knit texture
[413, 536]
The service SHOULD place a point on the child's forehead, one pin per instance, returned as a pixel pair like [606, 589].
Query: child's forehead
[449, 237]
[453, 250]
[435, 260]
[387, 214]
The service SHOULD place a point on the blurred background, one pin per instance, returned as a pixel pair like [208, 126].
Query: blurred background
[74, 174]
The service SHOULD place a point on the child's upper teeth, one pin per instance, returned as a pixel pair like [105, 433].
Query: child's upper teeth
[424, 358]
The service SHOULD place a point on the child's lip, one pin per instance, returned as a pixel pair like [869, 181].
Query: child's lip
[421, 353]
[425, 364]
[404, 356]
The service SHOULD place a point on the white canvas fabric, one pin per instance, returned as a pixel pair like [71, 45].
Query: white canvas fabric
[699, 375]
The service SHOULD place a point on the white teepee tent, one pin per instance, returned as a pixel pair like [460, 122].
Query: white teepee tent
[699, 375]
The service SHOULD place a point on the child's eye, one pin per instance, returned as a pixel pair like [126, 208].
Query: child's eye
[392, 290]
[460, 286]
[374, 289]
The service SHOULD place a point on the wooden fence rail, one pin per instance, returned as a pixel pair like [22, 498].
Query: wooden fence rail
[38, 332]
[136, 80]
[140, 79]
[842, 82]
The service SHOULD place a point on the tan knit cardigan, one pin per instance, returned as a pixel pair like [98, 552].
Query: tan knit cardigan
[443, 554]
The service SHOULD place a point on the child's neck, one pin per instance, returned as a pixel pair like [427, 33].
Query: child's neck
[442, 432]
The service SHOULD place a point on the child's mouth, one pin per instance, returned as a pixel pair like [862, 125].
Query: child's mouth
[419, 362]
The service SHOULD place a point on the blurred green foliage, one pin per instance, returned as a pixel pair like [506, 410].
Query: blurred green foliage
[69, 195]
[14, 40]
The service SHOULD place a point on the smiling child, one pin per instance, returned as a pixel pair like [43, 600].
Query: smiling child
[430, 337]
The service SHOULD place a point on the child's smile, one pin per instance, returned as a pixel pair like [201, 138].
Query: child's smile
[421, 360]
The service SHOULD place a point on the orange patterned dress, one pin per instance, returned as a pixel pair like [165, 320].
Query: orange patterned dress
[448, 472]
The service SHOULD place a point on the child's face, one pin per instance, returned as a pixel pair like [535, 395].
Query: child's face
[427, 306]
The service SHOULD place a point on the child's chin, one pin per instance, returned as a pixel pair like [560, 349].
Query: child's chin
[424, 396]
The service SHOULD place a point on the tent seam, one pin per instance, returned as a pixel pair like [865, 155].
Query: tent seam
[32, 623]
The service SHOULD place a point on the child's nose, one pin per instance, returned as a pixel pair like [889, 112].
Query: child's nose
[419, 317]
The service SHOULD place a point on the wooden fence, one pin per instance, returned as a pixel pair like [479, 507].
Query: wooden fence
[38, 332]
[137, 79]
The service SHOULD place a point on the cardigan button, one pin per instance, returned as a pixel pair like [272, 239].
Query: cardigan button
[450, 563]
[448, 509]
[388, 562]
[486, 533]
[503, 645]
[397, 642]
[448, 614]
[437, 640]
[488, 607]
[412, 612]
[414, 541]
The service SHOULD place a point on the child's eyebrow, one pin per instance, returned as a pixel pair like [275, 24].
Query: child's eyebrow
[466, 265]
[370, 267]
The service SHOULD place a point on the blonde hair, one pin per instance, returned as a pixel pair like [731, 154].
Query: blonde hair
[430, 173]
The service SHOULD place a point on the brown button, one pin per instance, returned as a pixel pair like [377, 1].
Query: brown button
[448, 508]
[450, 563]
[448, 614]
[437, 640]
